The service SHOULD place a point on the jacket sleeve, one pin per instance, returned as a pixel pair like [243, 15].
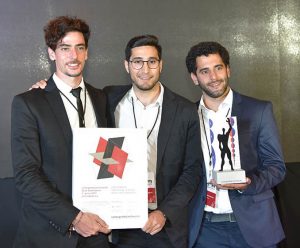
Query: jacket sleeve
[191, 173]
[270, 169]
[37, 189]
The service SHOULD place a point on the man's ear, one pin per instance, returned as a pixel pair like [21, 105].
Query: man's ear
[126, 64]
[51, 54]
[86, 54]
[228, 71]
[194, 78]
[160, 66]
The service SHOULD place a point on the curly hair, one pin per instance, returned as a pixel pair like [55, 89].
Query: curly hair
[57, 28]
[205, 48]
[142, 40]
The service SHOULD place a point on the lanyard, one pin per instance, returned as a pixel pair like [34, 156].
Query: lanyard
[73, 104]
[133, 111]
[208, 147]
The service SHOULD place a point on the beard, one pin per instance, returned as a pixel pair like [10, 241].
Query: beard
[74, 75]
[215, 93]
[70, 73]
[145, 87]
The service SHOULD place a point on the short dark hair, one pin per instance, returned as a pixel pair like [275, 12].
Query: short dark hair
[142, 40]
[205, 48]
[56, 29]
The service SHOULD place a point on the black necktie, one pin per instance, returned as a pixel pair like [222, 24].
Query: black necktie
[76, 93]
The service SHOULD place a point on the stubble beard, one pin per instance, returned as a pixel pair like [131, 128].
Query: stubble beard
[215, 94]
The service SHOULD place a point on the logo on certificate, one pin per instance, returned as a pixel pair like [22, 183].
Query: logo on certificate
[110, 157]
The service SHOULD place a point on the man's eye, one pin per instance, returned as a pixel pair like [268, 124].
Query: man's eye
[81, 48]
[137, 62]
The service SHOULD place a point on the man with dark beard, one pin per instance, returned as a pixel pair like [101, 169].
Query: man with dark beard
[174, 148]
[244, 214]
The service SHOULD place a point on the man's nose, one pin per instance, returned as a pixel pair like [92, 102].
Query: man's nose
[145, 67]
[212, 75]
[73, 53]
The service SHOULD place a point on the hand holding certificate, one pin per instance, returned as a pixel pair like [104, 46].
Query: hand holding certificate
[110, 175]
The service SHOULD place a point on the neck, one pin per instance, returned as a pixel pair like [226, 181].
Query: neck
[71, 81]
[147, 97]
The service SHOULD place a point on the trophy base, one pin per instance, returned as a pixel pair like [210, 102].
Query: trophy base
[229, 176]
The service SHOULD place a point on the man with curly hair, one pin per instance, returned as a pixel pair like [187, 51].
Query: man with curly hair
[42, 122]
[243, 214]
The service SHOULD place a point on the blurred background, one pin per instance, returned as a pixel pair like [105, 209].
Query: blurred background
[263, 38]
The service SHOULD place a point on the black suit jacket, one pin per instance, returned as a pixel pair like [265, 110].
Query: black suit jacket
[41, 146]
[179, 158]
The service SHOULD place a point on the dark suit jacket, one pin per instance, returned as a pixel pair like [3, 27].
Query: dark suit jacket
[262, 159]
[42, 160]
[179, 158]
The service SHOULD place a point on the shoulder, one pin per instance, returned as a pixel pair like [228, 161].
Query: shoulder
[249, 99]
[30, 95]
[116, 89]
[250, 102]
[251, 110]
[169, 95]
[93, 90]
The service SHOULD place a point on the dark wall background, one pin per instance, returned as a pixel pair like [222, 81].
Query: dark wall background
[261, 36]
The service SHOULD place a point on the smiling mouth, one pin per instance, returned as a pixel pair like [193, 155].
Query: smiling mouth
[215, 84]
[144, 78]
[73, 64]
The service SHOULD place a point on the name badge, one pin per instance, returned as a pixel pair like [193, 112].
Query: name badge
[211, 196]
[152, 200]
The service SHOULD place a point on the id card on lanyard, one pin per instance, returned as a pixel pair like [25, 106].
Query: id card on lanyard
[152, 197]
[211, 195]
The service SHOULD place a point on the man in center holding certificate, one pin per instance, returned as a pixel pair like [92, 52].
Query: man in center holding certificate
[174, 147]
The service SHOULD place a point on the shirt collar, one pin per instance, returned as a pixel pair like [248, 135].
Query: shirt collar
[226, 104]
[131, 95]
[65, 88]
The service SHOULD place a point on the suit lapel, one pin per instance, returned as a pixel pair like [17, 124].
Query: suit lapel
[236, 104]
[169, 108]
[54, 99]
[99, 106]
[114, 96]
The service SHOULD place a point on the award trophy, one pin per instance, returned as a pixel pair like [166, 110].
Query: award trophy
[228, 145]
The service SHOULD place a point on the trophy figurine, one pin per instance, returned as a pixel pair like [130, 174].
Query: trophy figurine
[228, 146]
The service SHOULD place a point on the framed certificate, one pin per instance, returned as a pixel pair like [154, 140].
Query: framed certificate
[110, 175]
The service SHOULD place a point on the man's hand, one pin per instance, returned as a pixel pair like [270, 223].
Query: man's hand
[90, 224]
[40, 84]
[156, 221]
[232, 186]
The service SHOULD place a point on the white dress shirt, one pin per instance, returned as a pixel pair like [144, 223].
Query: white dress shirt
[71, 109]
[145, 118]
[222, 198]
[136, 115]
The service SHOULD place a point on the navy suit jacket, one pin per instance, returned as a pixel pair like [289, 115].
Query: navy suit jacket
[41, 145]
[179, 158]
[262, 159]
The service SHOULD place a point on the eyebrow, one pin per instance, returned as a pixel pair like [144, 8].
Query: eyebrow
[68, 45]
[146, 58]
[206, 68]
